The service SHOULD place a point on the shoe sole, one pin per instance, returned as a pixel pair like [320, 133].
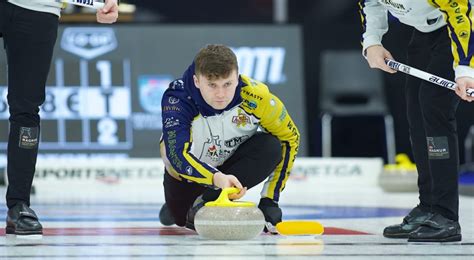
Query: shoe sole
[398, 235]
[190, 225]
[13, 231]
[455, 238]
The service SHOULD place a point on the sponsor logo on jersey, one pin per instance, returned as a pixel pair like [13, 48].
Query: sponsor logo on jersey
[394, 4]
[236, 141]
[173, 100]
[189, 170]
[170, 122]
[213, 148]
[171, 108]
[283, 114]
[252, 95]
[241, 119]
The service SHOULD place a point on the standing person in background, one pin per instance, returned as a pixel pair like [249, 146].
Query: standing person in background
[441, 40]
[29, 30]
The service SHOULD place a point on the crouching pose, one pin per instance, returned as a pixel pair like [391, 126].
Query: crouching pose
[211, 138]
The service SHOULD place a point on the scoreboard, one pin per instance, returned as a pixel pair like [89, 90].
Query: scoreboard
[104, 89]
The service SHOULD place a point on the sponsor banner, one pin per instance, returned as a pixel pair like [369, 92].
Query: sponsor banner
[317, 174]
[99, 172]
[336, 171]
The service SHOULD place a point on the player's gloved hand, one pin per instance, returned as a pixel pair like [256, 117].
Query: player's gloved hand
[376, 56]
[222, 181]
[272, 213]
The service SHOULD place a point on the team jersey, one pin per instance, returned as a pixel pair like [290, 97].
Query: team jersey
[198, 138]
[425, 16]
[48, 6]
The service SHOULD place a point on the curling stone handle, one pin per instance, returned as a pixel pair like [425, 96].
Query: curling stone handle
[224, 196]
[223, 200]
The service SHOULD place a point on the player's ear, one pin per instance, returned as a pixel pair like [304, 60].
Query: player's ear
[196, 81]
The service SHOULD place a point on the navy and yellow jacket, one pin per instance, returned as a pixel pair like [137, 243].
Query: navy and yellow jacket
[198, 138]
[425, 16]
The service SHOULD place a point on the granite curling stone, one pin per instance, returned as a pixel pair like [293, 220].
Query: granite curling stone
[229, 220]
[399, 177]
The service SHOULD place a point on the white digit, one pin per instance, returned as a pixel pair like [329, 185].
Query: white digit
[48, 105]
[105, 69]
[107, 128]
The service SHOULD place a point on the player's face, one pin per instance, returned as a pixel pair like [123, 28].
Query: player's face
[218, 93]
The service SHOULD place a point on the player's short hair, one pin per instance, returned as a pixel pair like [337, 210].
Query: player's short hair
[215, 61]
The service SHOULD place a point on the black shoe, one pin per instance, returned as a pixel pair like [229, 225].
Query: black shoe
[411, 222]
[272, 213]
[197, 205]
[437, 229]
[166, 218]
[21, 220]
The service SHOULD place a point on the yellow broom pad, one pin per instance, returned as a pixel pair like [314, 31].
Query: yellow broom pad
[299, 227]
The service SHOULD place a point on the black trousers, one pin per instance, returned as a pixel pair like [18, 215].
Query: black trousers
[29, 39]
[251, 163]
[431, 113]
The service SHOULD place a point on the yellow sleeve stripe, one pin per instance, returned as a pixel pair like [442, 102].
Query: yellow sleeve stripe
[363, 19]
[208, 176]
[361, 13]
[458, 16]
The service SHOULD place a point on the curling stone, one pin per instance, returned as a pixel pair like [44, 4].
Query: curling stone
[229, 220]
[466, 179]
[399, 177]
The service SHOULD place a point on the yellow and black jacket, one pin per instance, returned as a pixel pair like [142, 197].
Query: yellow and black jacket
[198, 138]
[425, 16]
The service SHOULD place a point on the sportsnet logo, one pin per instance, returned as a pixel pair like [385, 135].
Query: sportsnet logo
[264, 64]
[88, 42]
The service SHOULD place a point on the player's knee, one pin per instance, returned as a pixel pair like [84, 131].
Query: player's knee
[271, 146]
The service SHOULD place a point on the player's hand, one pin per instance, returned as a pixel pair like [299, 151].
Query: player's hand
[223, 181]
[109, 13]
[464, 83]
[376, 56]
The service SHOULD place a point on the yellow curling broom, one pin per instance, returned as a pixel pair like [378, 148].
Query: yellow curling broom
[299, 227]
[286, 228]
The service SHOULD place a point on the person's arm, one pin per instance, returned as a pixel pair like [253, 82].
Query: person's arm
[274, 119]
[177, 117]
[374, 25]
[458, 15]
[109, 13]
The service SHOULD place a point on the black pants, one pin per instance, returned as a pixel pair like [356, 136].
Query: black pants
[29, 39]
[431, 116]
[251, 163]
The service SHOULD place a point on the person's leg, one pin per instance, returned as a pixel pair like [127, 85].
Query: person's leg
[29, 39]
[251, 163]
[417, 56]
[179, 197]
[438, 107]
